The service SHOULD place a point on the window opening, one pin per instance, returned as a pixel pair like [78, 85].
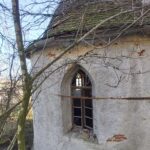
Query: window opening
[82, 105]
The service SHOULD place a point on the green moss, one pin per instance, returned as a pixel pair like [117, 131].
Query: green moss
[89, 16]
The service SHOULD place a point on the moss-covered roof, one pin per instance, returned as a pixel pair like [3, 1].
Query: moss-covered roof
[78, 16]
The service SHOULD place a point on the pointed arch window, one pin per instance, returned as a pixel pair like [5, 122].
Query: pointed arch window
[82, 106]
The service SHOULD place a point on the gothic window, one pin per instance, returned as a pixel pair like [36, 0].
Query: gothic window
[82, 106]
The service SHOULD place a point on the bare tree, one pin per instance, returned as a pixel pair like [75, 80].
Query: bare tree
[22, 25]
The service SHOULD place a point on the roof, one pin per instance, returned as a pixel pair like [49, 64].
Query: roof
[78, 16]
[73, 18]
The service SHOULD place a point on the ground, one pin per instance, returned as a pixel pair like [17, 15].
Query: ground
[10, 130]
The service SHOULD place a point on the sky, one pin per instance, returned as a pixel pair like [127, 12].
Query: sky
[33, 26]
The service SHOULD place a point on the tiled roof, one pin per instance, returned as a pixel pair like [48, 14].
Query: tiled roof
[78, 16]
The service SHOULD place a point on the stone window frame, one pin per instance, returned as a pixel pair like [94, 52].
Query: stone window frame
[66, 102]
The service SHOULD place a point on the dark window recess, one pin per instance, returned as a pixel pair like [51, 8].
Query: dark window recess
[88, 103]
[77, 111]
[77, 121]
[88, 112]
[82, 105]
[76, 102]
[89, 122]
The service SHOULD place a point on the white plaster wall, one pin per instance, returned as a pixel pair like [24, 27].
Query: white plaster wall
[111, 117]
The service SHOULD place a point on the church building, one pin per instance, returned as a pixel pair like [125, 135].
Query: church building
[95, 94]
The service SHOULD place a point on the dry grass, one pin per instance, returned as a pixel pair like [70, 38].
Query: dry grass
[10, 129]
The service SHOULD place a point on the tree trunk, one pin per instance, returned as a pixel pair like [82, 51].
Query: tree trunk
[22, 119]
[26, 81]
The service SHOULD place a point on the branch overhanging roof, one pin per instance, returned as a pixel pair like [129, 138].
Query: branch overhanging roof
[74, 16]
